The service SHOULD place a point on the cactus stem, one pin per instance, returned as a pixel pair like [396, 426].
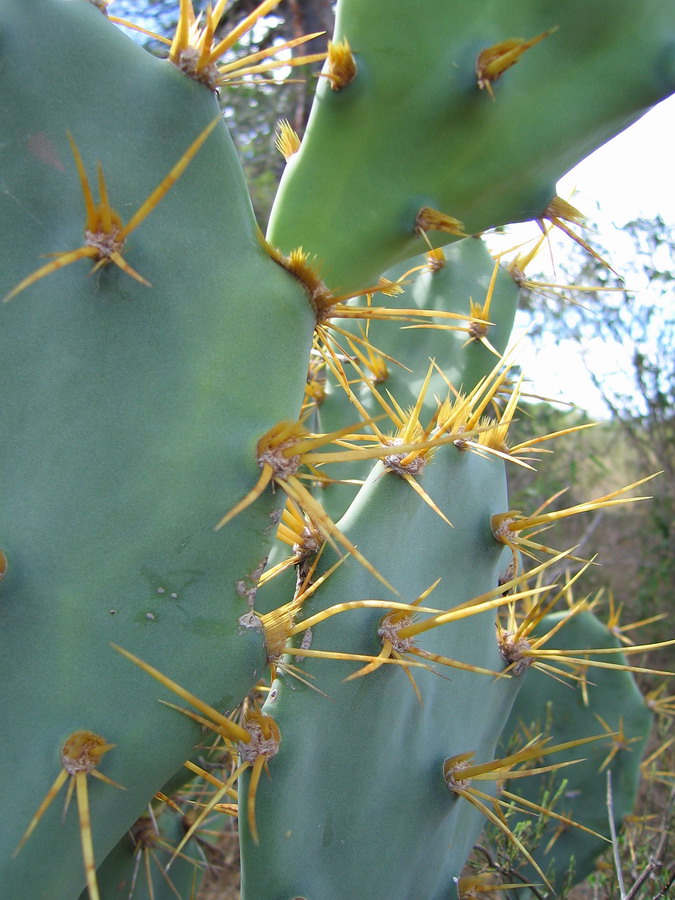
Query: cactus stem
[494, 61]
[104, 232]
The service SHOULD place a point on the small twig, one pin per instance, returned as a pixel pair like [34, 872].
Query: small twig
[514, 873]
[612, 831]
[664, 890]
[652, 865]
[486, 853]
[508, 871]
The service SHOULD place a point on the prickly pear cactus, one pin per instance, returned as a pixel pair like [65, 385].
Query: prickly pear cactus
[157, 415]
[458, 118]
[602, 699]
[373, 749]
[129, 429]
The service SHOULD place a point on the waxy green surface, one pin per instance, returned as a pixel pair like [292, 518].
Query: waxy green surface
[356, 804]
[128, 427]
[413, 129]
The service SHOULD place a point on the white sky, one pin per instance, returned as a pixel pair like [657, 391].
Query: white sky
[630, 176]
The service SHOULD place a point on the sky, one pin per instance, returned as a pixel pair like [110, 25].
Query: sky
[628, 177]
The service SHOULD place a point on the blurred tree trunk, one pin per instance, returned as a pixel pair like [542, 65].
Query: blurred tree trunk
[308, 17]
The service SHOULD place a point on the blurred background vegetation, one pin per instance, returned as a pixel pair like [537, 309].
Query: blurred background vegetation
[633, 326]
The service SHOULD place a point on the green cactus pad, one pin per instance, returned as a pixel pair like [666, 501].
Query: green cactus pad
[372, 753]
[414, 130]
[128, 428]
